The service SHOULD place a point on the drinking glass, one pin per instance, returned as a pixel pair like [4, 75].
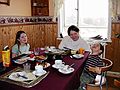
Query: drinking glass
[36, 51]
[26, 67]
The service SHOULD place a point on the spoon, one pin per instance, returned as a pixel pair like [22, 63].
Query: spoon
[22, 76]
[72, 64]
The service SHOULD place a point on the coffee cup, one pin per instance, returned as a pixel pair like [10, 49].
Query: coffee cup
[58, 62]
[52, 48]
[39, 68]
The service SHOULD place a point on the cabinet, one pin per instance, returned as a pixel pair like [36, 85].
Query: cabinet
[113, 48]
[40, 7]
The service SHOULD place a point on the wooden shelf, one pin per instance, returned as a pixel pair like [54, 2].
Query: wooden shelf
[40, 7]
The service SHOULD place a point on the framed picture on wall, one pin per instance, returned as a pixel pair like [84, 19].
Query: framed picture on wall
[7, 2]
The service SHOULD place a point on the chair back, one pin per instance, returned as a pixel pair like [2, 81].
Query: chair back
[108, 65]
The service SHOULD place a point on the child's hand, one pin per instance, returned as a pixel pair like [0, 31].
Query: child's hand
[98, 70]
[95, 69]
[92, 69]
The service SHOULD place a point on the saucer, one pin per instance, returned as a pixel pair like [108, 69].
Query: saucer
[39, 74]
[57, 66]
[66, 71]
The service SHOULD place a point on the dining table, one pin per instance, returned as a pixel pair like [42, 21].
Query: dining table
[55, 80]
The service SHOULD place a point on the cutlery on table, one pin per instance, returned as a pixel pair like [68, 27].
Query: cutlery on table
[22, 76]
[71, 65]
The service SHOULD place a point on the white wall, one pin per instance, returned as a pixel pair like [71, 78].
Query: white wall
[16, 8]
[51, 8]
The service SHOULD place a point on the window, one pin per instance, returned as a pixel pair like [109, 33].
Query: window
[91, 16]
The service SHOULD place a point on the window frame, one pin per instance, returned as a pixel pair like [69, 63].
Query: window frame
[62, 27]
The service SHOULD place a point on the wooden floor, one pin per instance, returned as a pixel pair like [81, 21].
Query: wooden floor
[104, 88]
[111, 85]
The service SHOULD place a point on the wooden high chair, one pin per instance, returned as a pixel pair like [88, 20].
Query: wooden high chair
[108, 65]
[117, 83]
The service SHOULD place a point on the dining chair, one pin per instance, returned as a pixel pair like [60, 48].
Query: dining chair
[107, 66]
[117, 83]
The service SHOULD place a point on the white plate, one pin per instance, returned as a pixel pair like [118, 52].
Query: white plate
[15, 77]
[32, 59]
[29, 52]
[57, 67]
[78, 56]
[19, 62]
[67, 71]
[39, 74]
[57, 51]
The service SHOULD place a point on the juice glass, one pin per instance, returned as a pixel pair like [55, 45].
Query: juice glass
[81, 51]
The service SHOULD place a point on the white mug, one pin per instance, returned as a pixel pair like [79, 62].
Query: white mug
[39, 68]
[58, 62]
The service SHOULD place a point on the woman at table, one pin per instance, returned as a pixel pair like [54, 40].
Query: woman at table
[73, 40]
[92, 67]
[21, 45]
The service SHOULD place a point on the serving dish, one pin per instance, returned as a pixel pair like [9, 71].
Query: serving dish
[27, 84]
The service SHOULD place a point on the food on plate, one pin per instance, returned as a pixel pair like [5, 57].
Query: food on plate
[31, 55]
[41, 57]
[44, 64]
[23, 59]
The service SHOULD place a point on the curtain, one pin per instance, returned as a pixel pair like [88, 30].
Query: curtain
[57, 5]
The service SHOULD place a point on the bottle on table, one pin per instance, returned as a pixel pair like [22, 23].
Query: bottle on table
[6, 56]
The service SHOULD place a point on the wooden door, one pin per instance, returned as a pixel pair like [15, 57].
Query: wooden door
[113, 48]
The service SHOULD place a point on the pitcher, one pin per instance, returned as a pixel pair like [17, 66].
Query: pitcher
[6, 58]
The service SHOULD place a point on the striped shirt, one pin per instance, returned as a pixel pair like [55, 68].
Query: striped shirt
[93, 61]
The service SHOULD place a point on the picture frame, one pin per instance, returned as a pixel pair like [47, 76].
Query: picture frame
[6, 2]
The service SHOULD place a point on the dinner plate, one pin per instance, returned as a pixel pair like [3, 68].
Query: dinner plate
[57, 51]
[78, 56]
[39, 74]
[66, 71]
[19, 62]
[28, 52]
[32, 59]
[21, 76]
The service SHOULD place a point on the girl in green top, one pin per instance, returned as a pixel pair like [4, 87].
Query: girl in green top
[21, 45]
